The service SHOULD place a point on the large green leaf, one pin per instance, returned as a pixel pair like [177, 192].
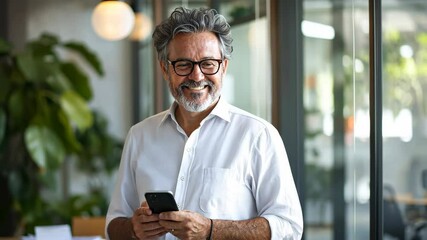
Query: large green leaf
[16, 108]
[57, 79]
[2, 125]
[5, 47]
[76, 109]
[44, 146]
[39, 62]
[44, 46]
[48, 39]
[89, 56]
[39, 69]
[65, 131]
[53, 117]
[78, 79]
[4, 84]
[28, 65]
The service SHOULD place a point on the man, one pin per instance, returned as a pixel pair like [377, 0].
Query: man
[228, 169]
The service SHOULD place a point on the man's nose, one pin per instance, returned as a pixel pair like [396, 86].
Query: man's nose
[196, 74]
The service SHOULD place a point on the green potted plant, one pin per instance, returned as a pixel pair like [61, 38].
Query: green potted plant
[44, 117]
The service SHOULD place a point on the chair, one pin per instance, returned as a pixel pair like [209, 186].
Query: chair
[394, 224]
[88, 226]
[421, 226]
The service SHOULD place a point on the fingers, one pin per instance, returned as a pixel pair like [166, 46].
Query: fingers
[172, 222]
[147, 227]
[145, 209]
[185, 224]
[145, 224]
[144, 216]
[149, 236]
[150, 232]
[171, 216]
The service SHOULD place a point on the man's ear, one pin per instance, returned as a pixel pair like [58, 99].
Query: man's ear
[224, 66]
[164, 69]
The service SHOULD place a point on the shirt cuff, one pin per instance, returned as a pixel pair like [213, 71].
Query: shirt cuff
[284, 229]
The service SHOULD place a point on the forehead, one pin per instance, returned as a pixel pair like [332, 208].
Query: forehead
[194, 46]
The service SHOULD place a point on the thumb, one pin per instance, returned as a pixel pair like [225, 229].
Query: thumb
[144, 204]
[145, 208]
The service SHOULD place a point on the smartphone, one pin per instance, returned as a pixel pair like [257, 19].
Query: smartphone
[161, 201]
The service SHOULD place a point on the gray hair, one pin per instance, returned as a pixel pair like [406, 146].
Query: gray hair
[184, 20]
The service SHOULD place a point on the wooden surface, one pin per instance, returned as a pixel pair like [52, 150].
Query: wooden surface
[88, 226]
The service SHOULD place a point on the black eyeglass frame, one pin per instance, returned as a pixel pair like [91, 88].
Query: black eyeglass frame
[219, 61]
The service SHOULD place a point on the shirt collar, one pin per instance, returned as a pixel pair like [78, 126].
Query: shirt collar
[221, 110]
[170, 113]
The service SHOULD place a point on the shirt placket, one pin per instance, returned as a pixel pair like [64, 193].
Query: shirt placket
[182, 181]
[187, 160]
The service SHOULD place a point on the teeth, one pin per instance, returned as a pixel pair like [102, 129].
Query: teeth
[197, 88]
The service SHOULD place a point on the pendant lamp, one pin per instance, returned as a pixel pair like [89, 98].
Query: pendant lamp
[113, 20]
[143, 27]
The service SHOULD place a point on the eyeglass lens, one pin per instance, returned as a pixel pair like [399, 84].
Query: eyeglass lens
[185, 67]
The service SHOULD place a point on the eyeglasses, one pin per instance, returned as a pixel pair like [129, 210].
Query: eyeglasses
[186, 67]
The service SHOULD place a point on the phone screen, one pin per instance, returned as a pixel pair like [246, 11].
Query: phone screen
[162, 201]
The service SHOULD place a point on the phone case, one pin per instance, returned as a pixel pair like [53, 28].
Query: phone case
[161, 201]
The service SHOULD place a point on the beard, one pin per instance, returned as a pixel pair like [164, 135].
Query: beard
[194, 103]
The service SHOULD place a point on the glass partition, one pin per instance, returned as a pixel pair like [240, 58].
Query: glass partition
[144, 60]
[248, 81]
[405, 119]
[336, 104]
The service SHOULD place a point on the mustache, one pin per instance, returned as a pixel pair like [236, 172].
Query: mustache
[194, 84]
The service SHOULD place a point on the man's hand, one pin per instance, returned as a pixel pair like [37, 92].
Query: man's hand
[145, 224]
[185, 224]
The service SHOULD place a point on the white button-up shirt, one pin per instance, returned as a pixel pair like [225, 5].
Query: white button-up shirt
[234, 166]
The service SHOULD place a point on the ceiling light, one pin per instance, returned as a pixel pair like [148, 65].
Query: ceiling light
[317, 30]
[113, 20]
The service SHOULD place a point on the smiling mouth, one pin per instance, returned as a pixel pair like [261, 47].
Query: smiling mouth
[197, 88]
[194, 86]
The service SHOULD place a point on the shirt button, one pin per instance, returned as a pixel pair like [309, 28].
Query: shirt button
[189, 149]
[182, 178]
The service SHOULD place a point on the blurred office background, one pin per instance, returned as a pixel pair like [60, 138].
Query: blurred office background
[302, 65]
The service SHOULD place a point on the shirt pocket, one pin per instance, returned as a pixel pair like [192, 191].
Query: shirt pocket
[220, 191]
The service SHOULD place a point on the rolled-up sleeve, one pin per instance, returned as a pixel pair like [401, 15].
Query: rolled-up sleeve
[124, 199]
[275, 191]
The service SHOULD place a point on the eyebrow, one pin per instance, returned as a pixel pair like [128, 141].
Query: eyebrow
[189, 59]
